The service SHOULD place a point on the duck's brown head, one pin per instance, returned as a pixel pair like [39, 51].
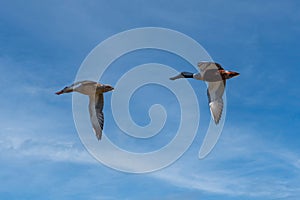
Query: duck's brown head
[105, 88]
[65, 90]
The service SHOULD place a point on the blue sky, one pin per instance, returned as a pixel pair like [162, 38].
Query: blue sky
[44, 43]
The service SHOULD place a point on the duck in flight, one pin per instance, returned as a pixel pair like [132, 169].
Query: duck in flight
[95, 92]
[216, 76]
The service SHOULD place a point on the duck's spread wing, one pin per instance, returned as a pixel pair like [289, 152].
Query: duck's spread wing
[204, 66]
[215, 92]
[96, 114]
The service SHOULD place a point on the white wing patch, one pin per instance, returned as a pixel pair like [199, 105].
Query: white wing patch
[216, 109]
[215, 92]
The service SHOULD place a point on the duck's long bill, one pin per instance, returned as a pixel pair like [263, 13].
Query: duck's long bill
[59, 92]
[236, 74]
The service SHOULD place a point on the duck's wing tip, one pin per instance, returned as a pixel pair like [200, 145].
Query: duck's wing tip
[97, 126]
[216, 109]
[96, 114]
[99, 135]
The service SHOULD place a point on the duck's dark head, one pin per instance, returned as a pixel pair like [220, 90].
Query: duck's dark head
[65, 90]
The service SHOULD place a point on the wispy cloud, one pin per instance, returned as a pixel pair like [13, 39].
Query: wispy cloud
[57, 149]
[240, 165]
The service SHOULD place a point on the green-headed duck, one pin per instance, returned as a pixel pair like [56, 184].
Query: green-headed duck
[216, 76]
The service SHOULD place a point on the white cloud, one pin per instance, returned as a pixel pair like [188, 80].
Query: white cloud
[57, 149]
[240, 165]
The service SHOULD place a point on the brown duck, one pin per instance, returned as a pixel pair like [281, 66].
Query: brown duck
[95, 92]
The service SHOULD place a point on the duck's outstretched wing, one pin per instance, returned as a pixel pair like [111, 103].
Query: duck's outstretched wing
[80, 83]
[96, 114]
[215, 92]
[204, 66]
